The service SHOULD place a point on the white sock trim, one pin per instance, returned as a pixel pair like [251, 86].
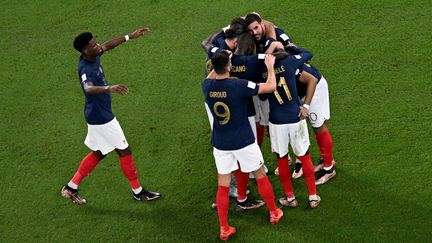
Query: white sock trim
[313, 197]
[72, 185]
[328, 168]
[138, 190]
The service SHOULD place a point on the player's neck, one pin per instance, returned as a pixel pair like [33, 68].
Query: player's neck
[222, 76]
[92, 59]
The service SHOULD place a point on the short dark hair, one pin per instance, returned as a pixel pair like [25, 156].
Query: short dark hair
[245, 45]
[82, 40]
[238, 25]
[252, 17]
[230, 34]
[220, 62]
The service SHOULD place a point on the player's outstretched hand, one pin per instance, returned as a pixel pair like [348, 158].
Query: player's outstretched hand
[139, 32]
[304, 113]
[119, 89]
[269, 60]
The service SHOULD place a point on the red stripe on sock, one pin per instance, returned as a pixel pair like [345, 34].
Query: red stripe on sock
[222, 203]
[308, 172]
[130, 171]
[260, 134]
[285, 176]
[242, 183]
[325, 144]
[88, 163]
[265, 189]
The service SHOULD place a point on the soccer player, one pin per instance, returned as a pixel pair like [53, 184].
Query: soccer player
[287, 128]
[104, 133]
[259, 30]
[318, 113]
[232, 135]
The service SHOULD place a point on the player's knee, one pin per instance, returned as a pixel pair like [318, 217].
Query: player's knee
[98, 154]
[124, 152]
[260, 173]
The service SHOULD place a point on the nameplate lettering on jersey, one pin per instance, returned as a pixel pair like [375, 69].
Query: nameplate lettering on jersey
[278, 70]
[218, 94]
[238, 69]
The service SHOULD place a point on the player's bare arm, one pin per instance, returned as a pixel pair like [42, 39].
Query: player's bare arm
[269, 28]
[270, 85]
[311, 83]
[273, 46]
[91, 89]
[111, 44]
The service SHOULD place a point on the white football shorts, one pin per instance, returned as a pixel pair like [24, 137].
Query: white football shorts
[250, 159]
[106, 137]
[319, 109]
[294, 134]
[262, 109]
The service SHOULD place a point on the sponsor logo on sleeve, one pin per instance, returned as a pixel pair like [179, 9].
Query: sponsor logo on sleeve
[83, 77]
[251, 85]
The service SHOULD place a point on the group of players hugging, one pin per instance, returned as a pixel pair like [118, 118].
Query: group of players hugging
[257, 78]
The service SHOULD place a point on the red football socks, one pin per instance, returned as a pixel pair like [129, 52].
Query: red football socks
[222, 203]
[285, 176]
[242, 183]
[260, 134]
[265, 189]
[87, 165]
[130, 171]
[308, 172]
[325, 144]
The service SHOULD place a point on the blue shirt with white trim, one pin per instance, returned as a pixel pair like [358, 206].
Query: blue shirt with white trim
[227, 100]
[302, 87]
[284, 102]
[97, 108]
[281, 36]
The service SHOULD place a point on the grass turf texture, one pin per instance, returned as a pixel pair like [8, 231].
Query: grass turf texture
[376, 57]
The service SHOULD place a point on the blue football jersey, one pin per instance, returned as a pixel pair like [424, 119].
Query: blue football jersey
[228, 102]
[302, 87]
[245, 67]
[97, 108]
[284, 102]
[281, 36]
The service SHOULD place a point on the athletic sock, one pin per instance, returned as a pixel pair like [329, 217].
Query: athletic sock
[130, 171]
[242, 183]
[222, 203]
[88, 163]
[308, 172]
[285, 176]
[265, 189]
[260, 134]
[325, 144]
[137, 190]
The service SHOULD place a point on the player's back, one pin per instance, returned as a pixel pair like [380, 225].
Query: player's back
[227, 100]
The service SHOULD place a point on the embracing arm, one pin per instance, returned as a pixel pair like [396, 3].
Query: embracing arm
[269, 29]
[311, 83]
[207, 43]
[270, 85]
[111, 44]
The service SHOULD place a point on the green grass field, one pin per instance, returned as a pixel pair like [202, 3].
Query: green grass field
[376, 56]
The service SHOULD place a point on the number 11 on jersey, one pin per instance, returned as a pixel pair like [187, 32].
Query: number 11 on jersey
[282, 83]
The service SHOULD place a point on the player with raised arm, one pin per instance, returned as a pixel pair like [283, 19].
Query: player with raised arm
[104, 133]
[287, 127]
[232, 136]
